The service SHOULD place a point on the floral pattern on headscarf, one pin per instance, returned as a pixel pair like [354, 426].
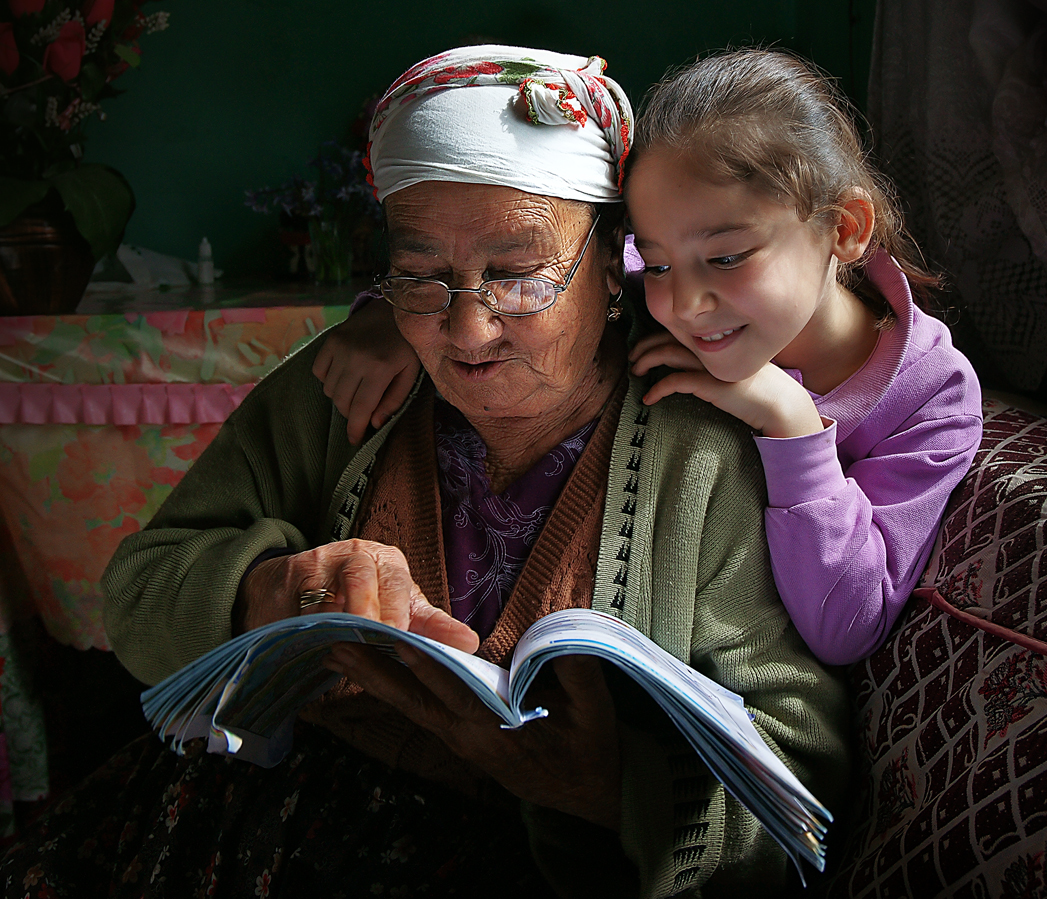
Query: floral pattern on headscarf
[554, 96]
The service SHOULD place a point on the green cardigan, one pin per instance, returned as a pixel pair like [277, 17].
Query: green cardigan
[683, 558]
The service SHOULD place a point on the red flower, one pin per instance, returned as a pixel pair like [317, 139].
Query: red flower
[64, 54]
[97, 10]
[25, 7]
[132, 31]
[116, 70]
[8, 49]
[460, 73]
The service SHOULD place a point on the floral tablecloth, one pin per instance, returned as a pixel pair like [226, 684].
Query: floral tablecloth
[100, 416]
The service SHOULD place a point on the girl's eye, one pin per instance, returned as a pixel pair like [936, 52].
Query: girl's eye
[732, 261]
[655, 271]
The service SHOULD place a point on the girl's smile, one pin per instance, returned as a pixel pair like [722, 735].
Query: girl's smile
[716, 342]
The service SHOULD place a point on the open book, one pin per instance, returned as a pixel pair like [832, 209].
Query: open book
[243, 697]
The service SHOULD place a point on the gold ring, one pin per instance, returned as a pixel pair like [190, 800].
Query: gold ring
[309, 598]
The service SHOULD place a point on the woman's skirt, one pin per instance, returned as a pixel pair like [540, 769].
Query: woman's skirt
[326, 822]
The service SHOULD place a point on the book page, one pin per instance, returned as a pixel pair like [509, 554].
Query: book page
[674, 684]
[245, 692]
[714, 720]
[245, 695]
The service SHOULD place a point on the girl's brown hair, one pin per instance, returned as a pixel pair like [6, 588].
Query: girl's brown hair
[772, 120]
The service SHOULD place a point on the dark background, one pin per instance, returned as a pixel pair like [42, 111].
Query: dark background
[239, 94]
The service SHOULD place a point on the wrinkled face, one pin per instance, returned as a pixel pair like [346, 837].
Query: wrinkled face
[490, 366]
[736, 277]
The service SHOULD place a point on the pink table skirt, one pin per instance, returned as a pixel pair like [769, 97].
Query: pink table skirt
[100, 416]
[118, 404]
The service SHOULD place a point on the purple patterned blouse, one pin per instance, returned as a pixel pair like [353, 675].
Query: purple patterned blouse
[488, 536]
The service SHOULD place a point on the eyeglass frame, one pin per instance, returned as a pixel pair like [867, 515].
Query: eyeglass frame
[451, 291]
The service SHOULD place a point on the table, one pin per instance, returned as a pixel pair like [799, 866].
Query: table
[101, 414]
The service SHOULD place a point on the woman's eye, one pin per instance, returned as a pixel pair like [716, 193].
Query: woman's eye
[511, 274]
[420, 275]
[655, 271]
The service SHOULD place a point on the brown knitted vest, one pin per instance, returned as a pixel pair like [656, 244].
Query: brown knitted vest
[402, 508]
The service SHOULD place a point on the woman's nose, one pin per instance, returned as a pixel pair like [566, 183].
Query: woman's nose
[470, 323]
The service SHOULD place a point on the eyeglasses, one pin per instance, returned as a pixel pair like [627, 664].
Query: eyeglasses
[505, 296]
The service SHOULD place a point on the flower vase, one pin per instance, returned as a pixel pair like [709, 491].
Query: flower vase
[45, 264]
[332, 251]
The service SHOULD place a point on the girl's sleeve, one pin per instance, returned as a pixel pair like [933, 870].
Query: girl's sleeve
[847, 547]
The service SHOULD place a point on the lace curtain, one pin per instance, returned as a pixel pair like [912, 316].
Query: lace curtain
[958, 108]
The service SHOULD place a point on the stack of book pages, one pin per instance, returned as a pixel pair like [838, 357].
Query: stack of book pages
[243, 697]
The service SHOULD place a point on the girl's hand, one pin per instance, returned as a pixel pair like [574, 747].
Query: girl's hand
[367, 368]
[770, 401]
[661, 348]
[363, 577]
[569, 761]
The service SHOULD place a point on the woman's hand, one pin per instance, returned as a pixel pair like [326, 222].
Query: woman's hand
[367, 368]
[363, 577]
[569, 761]
[769, 401]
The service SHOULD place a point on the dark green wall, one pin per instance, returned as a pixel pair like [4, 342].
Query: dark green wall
[238, 94]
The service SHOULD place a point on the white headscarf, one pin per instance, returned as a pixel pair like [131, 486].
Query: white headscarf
[543, 122]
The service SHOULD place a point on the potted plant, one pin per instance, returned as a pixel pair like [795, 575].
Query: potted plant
[329, 220]
[58, 214]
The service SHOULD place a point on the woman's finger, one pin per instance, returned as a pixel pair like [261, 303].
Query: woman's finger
[582, 680]
[392, 682]
[316, 599]
[429, 621]
[357, 584]
[396, 587]
[373, 580]
[447, 688]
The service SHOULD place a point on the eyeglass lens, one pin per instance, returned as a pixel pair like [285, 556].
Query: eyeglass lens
[521, 296]
[515, 296]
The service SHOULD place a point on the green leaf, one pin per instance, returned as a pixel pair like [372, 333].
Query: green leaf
[128, 55]
[92, 81]
[17, 195]
[100, 201]
[59, 168]
[514, 72]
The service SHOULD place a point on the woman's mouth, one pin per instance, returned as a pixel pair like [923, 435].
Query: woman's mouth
[477, 371]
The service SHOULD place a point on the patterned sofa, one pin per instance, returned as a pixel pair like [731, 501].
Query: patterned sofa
[952, 711]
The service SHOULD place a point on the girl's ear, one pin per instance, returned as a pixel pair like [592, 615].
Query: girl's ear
[854, 228]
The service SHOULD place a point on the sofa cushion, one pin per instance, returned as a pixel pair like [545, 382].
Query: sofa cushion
[952, 710]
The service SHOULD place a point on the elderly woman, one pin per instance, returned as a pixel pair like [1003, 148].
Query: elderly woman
[522, 476]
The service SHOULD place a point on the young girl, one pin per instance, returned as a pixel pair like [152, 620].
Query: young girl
[776, 259]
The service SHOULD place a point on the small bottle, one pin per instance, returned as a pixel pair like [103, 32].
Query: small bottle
[205, 264]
